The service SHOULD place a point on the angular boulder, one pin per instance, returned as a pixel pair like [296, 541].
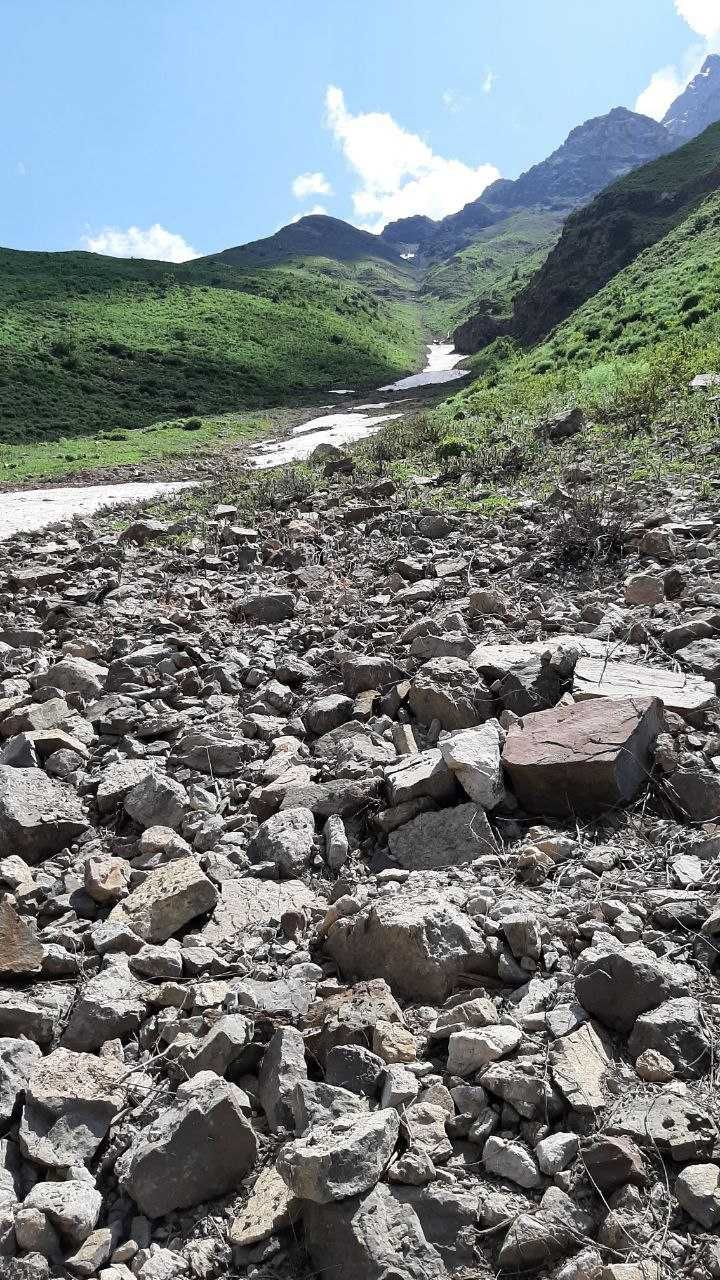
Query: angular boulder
[342, 1159]
[473, 755]
[157, 801]
[169, 898]
[449, 690]
[71, 1099]
[419, 944]
[616, 984]
[285, 839]
[371, 1237]
[675, 1029]
[198, 1149]
[20, 948]
[38, 816]
[582, 758]
[448, 838]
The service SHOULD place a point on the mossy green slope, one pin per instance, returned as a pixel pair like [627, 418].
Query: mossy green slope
[89, 343]
[488, 274]
[603, 238]
[670, 290]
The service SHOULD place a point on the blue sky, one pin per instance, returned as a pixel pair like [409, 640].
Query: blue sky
[173, 127]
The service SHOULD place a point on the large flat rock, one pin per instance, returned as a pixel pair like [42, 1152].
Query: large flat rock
[250, 904]
[681, 693]
[583, 758]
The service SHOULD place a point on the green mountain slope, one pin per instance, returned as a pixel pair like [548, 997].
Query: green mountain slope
[89, 343]
[485, 277]
[600, 240]
[671, 289]
[315, 235]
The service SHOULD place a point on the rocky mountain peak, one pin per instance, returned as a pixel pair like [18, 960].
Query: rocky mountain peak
[699, 105]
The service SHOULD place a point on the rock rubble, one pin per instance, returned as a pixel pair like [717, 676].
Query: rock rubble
[359, 897]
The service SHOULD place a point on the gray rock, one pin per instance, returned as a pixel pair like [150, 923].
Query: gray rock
[352, 1067]
[524, 1085]
[17, 1060]
[169, 898]
[316, 1103]
[196, 1150]
[35, 1011]
[269, 606]
[157, 801]
[250, 904]
[20, 948]
[343, 1159]
[511, 1160]
[372, 1237]
[451, 691]
[580, 1065]
[269, 1208]
[539, 684]
[674, 1125]
[337, 848]
[363, 672]
[73, 1207]
[473, 755]
[119, 779]
[449, 838]
[418, 944]
[539, 1239]
[676, 1030]
[108, 1007]
[286, 839]
[74, 675]
[70, 1102]
[616, 984]
[424, 774]
[471, 1050]
[327, 713]
[556, 1152]
[697, 1189]
[222, 1045]
[38, 816]
[448, 1214]
[423, 1124]
[283, 1067]
[612, 1162]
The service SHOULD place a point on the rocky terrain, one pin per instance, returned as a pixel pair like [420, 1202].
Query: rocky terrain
[359, 879]
[699, 105]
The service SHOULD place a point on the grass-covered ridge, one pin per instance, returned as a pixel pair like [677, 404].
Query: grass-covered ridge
[488, 274]
[670, 290]
[607, 235]
[89, 343]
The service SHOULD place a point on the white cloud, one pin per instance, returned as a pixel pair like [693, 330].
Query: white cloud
[311, 184]
[399, 173]
[664, 87]
[308, 213]
[453, 101]
[703, 18]
[489, 81]
[152, 242]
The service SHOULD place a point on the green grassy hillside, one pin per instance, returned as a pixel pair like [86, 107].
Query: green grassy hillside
[488, 274]
[671, 289]
[314, 236]
[90, 344]
[603, 238]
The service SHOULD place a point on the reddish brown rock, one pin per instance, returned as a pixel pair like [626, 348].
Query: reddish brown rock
[582, 758]
[20, 948]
